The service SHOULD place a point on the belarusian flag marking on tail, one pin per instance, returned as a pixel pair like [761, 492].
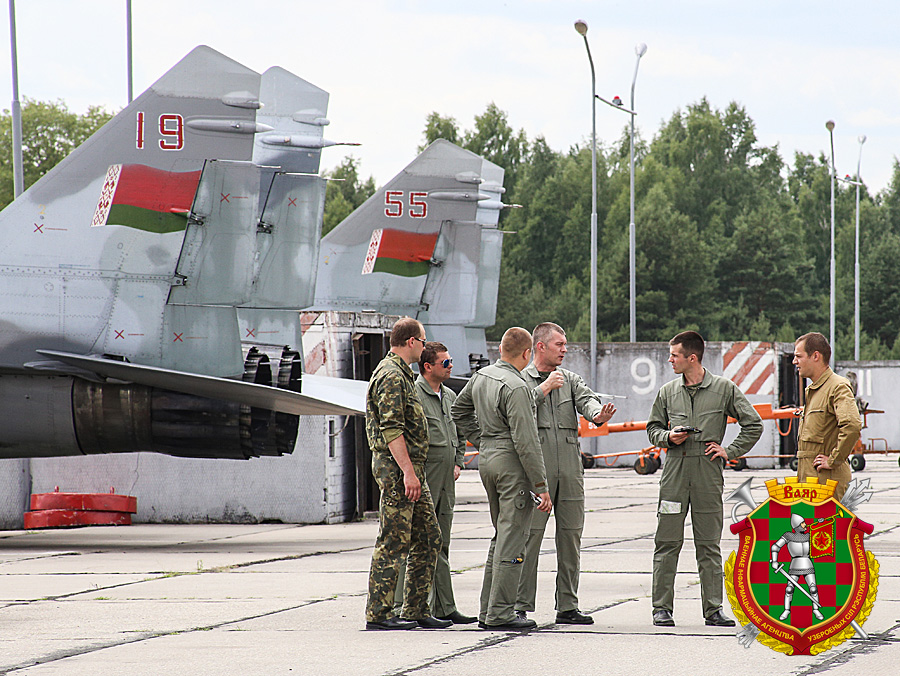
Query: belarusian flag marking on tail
[106, 195]
[372, 253]
[145, 198]
[398, 252]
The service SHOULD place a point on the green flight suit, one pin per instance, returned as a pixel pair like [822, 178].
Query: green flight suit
[830, 426]
[691, 480]
[495, 411]
[408, 530]
[446, 450]
[557, 422]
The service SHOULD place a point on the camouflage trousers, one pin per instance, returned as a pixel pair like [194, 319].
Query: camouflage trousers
[408, 532]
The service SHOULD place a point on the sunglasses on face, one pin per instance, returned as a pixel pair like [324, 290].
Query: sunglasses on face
[421, 340]
[446, 363]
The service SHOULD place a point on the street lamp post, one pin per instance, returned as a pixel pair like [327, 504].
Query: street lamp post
[862, 139]
[581, 27]
[16, 109]
[128, 51]
[640, 50]
[830, 127]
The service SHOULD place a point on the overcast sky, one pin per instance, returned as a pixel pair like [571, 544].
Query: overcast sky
[387, 63]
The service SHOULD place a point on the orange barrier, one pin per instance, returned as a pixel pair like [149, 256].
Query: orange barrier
[589, 429]
[650, 455]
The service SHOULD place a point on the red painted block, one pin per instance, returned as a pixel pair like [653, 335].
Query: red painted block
[68, 518]
[98, 502]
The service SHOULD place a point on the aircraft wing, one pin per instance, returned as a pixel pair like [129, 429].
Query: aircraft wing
[320, 396]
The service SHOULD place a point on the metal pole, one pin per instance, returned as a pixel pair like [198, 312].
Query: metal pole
[581, 27]
[862, 139]
[128, 49]
[640, 50]
[18, 167]
[830, 126]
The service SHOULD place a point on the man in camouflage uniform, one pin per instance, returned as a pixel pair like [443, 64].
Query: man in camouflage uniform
[397, 433]
[830, 424]
[560, 396]
[495, 411]
[446, 455]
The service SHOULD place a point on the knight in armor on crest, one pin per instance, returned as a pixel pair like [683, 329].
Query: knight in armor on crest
[797, 541]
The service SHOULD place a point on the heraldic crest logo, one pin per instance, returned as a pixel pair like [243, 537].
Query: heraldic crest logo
[801, 580]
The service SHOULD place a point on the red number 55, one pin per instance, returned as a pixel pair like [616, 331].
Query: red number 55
[393, 202]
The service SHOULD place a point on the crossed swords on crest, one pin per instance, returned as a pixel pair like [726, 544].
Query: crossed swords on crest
[857, 493]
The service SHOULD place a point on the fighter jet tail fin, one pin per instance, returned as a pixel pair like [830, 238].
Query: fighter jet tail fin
[425, 245]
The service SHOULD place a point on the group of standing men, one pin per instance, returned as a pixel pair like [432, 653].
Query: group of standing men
[522, 415]
[524, 420]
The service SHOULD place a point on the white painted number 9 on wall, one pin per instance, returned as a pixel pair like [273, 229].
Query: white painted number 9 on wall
[643, 370]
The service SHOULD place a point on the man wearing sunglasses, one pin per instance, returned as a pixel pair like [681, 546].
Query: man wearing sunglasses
[560, 396]
[397, 432]
[446, 455]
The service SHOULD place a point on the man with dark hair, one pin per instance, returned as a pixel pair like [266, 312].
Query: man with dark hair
[397, 432]
[495, 411]
[688, 418]
[446, 456]
[404, 329]
[830, 424]
[560, 396]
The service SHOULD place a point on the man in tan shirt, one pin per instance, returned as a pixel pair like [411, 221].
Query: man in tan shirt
[830, 423]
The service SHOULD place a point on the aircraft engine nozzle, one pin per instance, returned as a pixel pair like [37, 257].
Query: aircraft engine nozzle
[93, 417]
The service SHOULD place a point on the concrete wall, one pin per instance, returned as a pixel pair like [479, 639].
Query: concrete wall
[638, 370]
[878, 384]
[317, 483]
[314, 484]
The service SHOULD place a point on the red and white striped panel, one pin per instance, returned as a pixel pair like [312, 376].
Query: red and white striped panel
[751, 366]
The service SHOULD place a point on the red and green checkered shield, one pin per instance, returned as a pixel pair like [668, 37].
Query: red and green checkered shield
[842, 574]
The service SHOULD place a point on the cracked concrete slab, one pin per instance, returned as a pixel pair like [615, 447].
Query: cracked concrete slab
[283, 599]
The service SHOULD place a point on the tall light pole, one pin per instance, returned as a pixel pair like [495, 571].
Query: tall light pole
[862, 139]
[640, 50]
[582, 28]
[830, 127]
[128, 50]
[18, 166]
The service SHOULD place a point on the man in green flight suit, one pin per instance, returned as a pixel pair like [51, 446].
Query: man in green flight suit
[689, 418]
[495, 411]
[397, 432]
[446, 455]
[560, 396]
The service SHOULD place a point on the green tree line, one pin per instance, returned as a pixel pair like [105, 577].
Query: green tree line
[50, 131]
[731, 240]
